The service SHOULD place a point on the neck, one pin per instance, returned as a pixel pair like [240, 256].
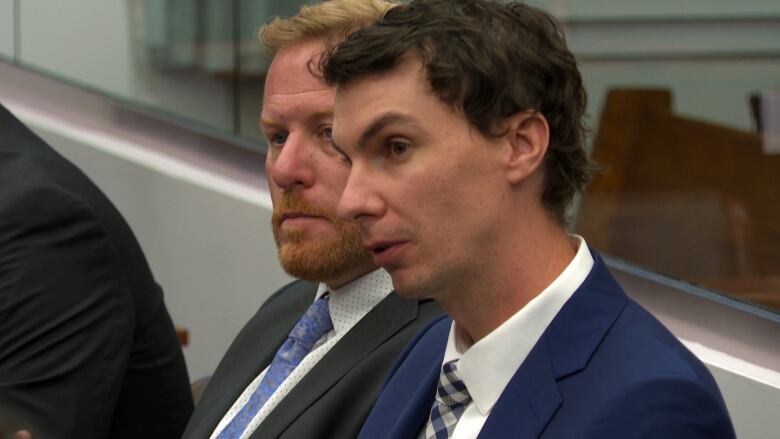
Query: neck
[521, 267]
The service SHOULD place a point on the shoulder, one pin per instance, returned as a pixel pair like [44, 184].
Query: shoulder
[296, 289]
[669, 406]
[276, 316]
[30, 203]
[649, 346]
[35, 202]
[656, 386]
[294, 297]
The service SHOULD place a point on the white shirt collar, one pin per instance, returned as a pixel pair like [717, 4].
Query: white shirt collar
[487, 366]
[353, 301]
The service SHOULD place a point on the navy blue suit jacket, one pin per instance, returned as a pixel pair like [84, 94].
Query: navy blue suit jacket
[604, 368]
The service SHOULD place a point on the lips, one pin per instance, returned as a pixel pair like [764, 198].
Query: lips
[298, 222]
[295, 215]
[386, 253]
[381, 246]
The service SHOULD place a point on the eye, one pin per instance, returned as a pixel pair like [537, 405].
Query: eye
[326, 133]
[278, 138]
[397, 149]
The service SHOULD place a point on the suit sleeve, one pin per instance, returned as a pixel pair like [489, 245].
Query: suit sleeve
[66, 317]
[665, 408]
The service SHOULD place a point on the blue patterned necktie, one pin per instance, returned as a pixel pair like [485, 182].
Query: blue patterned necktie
[452, 397]
[311, 327]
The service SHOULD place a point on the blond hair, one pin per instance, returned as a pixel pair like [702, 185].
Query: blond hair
[331, 20]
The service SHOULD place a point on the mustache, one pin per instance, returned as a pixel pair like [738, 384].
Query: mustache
[294, 203]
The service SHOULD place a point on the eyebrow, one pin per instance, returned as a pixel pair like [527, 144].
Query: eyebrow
[327, 112]
[324, 113]
[377, 126]
[381, 122]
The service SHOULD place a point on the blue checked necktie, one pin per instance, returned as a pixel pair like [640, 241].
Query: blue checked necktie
[311, 327]
[452, 397]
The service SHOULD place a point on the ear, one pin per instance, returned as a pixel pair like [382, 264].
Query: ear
[528, 136]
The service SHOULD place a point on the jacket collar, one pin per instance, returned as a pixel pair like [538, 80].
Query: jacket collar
[532, 396]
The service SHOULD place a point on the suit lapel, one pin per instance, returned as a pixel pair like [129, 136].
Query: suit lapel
[381, 323]
[532, 397]
[529, 401]
[417, 411]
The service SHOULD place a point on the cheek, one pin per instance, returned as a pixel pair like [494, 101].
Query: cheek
[276, 192]
[270, 160]
[333, 174]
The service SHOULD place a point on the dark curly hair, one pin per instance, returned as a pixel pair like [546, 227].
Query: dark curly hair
[489, 60]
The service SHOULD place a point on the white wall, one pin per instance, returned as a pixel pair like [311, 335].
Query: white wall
[752, 405]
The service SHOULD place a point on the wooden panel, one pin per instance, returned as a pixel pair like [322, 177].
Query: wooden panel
[687, 198]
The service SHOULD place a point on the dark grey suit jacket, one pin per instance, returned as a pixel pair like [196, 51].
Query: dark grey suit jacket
[335, 397]
[87, 349]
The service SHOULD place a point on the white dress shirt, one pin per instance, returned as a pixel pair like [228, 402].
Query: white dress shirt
[348, 305]
[487, 366]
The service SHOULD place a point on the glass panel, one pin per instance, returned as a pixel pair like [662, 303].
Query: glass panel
[198, 60]
[683, 114]
[7, 29]
[182, 58]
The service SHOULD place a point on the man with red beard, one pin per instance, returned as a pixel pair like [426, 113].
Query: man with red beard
[312, 360]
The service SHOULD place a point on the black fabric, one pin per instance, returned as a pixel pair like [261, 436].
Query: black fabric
[335, 397]
[87, 348]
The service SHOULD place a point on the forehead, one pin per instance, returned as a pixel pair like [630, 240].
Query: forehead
[401, 94]
[405, 87]
[289, 73]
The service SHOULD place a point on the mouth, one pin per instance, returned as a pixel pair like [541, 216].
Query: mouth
[380, 247]
[385, 253]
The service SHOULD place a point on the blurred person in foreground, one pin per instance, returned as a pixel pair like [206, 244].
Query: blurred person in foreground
[87, 348]
[312, 360]
[462, 124]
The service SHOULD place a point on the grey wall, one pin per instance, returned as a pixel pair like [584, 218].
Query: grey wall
[6, 28]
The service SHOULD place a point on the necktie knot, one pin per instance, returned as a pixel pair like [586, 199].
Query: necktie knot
[451, 390]
[314, 323]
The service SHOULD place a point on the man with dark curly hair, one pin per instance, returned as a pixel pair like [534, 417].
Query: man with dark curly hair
[462, 124]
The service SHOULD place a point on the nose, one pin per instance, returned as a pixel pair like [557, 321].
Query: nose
[291, 165]
[360, 201]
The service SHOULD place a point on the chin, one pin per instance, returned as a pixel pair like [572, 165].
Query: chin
[408, 287]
